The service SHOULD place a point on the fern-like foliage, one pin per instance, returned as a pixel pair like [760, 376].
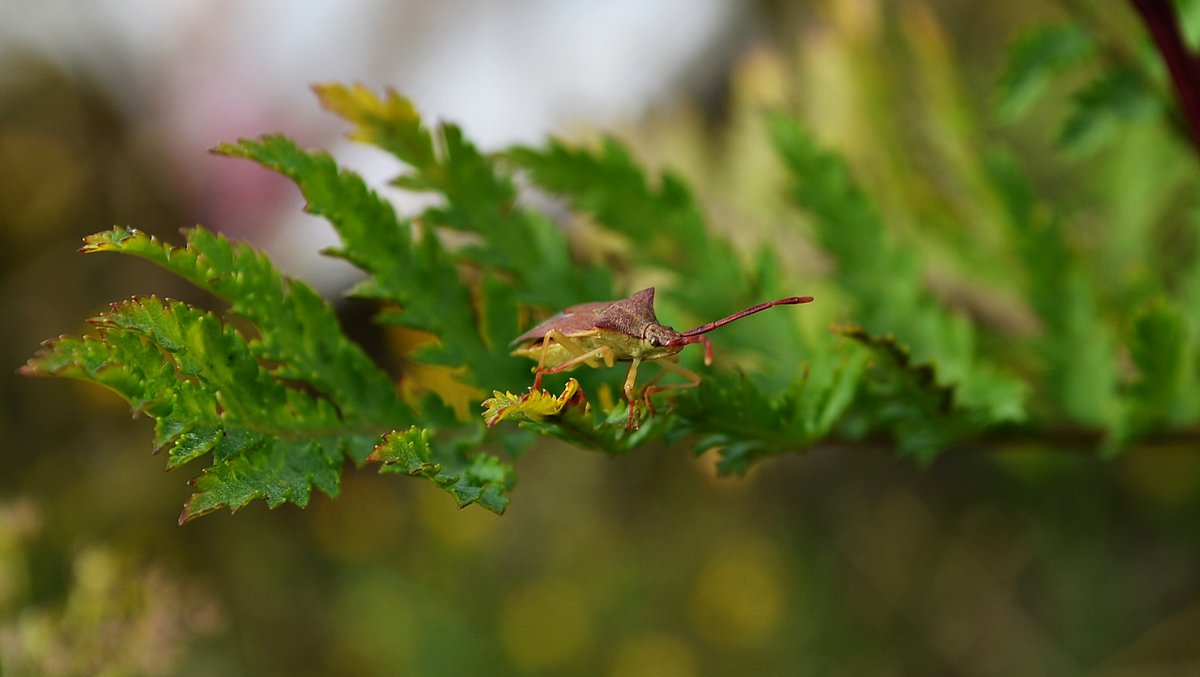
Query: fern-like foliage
[850, 230]
[1114, 94]
[280, 413]
[278, 401]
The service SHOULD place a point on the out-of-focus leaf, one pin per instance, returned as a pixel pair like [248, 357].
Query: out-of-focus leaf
[1159, 345]
[1116, 97]
[1076, 348]
[884, 279]
[665, 229]
[1034, 59]
[661, 221]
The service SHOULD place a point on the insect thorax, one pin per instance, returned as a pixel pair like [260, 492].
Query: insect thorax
[623, 346]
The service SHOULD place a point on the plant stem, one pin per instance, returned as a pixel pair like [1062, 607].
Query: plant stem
[1163, 24]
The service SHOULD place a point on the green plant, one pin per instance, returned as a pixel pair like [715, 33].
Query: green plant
[280, 399]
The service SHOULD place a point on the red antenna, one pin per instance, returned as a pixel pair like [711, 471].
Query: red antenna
[695, 335]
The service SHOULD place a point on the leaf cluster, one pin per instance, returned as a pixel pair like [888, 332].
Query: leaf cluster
[278, 400]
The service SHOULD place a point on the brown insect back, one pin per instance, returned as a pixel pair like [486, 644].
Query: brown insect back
[633, 316]
[627, 330]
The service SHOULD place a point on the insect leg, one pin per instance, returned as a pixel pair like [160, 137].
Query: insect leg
[692, 377]
[630, 381]
[603, 353]
[571, 345]
[708, 355]
[652, 381]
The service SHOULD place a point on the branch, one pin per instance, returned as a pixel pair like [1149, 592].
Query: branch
[1163, 24]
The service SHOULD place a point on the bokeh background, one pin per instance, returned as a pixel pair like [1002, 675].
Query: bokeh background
[841, 561]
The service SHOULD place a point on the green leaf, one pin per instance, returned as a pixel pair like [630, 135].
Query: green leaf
[1117, 96]
[147, 352]
[906, 399]
[745, 423]
[373, 237]
[478, 198]
[1159, 346]
[1035, 58]
[847, 227]
[569, 417]
[665, 230]
[207, 392]
[781, 409]
[663, 224]
[884, 279]
[1076, 347]
[298, 332]
[482, 479]
[421, 277]
[391, 122]
[281, 401]
[269, 468]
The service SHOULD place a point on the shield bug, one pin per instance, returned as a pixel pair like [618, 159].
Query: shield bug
[606, 332]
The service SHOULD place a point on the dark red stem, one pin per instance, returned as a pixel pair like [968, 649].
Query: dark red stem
[1163, 24]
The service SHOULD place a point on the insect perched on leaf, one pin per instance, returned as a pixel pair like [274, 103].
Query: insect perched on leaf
[607, 332]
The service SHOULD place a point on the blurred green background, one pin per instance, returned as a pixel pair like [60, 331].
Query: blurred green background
[1030, 560]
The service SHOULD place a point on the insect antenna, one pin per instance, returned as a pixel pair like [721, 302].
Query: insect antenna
[695, 335]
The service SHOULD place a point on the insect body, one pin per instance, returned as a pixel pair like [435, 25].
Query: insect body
[607, 332]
